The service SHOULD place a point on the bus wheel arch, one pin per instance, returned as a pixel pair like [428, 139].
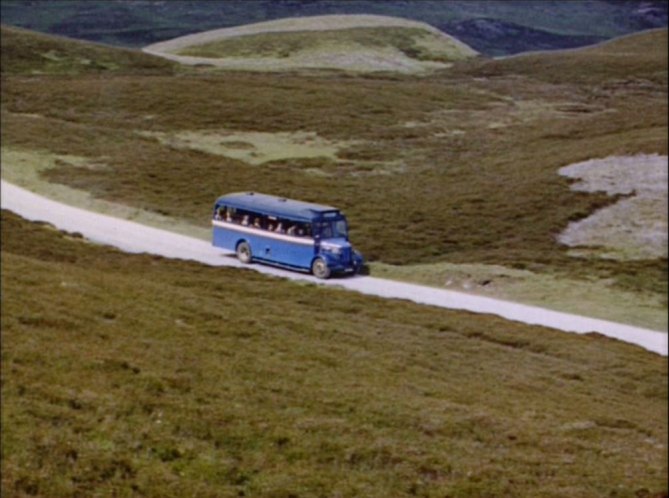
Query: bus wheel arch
[320, 268]
[244, 253]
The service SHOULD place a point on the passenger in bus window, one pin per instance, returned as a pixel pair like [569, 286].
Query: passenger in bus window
[228, 215]
[245, 220]
[279, 228]
[218, 214]
[256, 223]
[291, 230]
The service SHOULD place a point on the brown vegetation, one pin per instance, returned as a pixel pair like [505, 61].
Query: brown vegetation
[480, 151]
[136, 375]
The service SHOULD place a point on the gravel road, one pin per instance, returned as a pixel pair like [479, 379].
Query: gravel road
[136, 238]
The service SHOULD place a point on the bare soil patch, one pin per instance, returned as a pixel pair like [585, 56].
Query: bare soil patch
[635, 227]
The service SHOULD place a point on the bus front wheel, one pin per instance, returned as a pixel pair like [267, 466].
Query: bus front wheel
[320, 268]
[244, 252]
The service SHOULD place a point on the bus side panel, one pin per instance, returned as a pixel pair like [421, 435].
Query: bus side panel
[287, 253]
[225, 238]
[268, 249]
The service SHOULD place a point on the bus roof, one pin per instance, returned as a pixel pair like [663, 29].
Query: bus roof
[277, 206]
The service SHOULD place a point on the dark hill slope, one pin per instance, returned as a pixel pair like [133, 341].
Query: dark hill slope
[28, 52]
[637, 56]
[495, 37]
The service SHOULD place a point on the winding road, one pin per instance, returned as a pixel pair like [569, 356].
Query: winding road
[136, 238]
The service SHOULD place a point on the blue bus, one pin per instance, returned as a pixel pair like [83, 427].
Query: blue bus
[283, 232]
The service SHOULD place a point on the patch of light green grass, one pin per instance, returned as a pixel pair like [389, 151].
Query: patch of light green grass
[592, 297]
[24, 168]
[415, 43]
[253, 147]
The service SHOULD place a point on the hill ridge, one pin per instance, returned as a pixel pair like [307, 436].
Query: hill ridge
[310, 23]
[348, 56]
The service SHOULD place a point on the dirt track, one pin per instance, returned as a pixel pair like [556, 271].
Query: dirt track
[135, 238]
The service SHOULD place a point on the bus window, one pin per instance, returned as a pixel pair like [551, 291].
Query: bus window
[243, 217]
[340, 229]
[323, 230]
[232, 216]
[303, 229]
[223, 213]
[332, 229]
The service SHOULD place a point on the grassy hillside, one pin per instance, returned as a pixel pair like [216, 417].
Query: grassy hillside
[412, 42]
[460, 167]
[629, 60]
[25, 52]
[360, 43]
[134, 375]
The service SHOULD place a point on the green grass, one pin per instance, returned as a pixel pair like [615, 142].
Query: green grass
[136, 375]
[581, 296]
[25, 168]
[415, 43]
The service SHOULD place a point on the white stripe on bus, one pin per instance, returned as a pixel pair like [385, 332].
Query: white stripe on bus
[308, 241]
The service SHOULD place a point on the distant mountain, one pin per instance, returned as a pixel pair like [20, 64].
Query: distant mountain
[493, 37]
[644, 15]
[491, 27]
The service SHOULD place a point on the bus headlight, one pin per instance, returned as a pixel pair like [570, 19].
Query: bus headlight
[335, 250]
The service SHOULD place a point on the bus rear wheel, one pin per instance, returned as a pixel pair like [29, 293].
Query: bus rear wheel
[244, 252]
[320, 269]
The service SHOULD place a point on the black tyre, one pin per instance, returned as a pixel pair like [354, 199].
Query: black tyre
[320, 268]
[244, 252]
